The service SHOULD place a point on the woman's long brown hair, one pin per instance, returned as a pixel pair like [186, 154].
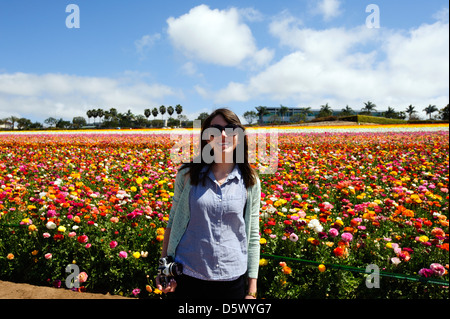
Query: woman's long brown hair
[194, 167]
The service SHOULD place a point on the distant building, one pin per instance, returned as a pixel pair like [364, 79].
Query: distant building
[296, 114]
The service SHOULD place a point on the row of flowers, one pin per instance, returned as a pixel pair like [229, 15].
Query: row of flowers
[101, 202]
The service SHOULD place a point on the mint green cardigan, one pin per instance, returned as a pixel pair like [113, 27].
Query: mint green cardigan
[180, 215]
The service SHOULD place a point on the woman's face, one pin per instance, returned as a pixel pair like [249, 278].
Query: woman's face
[225, 144]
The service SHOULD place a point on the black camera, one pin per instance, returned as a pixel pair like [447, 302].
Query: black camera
[168, 269]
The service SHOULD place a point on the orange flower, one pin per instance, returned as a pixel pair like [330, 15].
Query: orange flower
[286, 270]
[322, 268]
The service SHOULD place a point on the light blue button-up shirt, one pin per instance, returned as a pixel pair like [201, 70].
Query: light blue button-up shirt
[214, 246]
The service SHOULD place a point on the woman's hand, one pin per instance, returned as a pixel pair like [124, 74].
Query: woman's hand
[170, 287]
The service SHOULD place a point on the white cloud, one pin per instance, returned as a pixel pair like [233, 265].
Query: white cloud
[61, 95]
[328, 9]
[215, 36]
[146, 42]
[442, 15]
[351, 66]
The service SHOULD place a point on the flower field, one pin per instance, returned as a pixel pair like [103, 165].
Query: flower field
[340, 200]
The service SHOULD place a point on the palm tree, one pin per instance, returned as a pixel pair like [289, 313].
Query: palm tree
[369, 107]
[430, 109]
[410, 110]
[100, 113]
[325, 110]
[13, 120]
[179, 109]
[283, 111]
[262, 110]
[155, 113]
[89, 114]
[347, 111]
[390, 113]
[162, 110]
[147, 113]
[170, 110]
[94, 114]
[443, 113]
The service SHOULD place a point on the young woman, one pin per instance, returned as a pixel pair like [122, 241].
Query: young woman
[213, 227]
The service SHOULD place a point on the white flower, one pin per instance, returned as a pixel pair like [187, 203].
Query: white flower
[315, 225]
[50, 225]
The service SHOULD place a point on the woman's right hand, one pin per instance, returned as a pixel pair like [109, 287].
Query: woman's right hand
[170, 287]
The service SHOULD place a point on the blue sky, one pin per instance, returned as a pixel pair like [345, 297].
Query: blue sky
[207, 54]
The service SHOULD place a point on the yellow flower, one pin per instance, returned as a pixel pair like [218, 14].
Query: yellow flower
[263, 262]
[322, 268]
[263, 241]
[339, 222]
[61, 229]
[423, 239]
[133, 188]
[157, 291]
[136, 254]
[139, 180]
[160, 231]
[32, 227]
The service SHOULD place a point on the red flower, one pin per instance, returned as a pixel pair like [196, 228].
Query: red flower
[82, 239]
[338, 251]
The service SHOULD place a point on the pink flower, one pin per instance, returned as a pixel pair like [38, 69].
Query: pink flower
[113, 244]
[46, 235]
[88, 245]
[293, 237]
[395, 260]
[114, 220]
[425, 272]
[48, 256]
[82, 277]
[123, 254]
[72, 234]
[347, 237]
[333, 232]
[136, 291]
[437, 269]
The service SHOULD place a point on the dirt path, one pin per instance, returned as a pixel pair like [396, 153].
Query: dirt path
[9, 290]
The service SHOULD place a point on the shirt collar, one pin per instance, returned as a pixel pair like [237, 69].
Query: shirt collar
[235, 173]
